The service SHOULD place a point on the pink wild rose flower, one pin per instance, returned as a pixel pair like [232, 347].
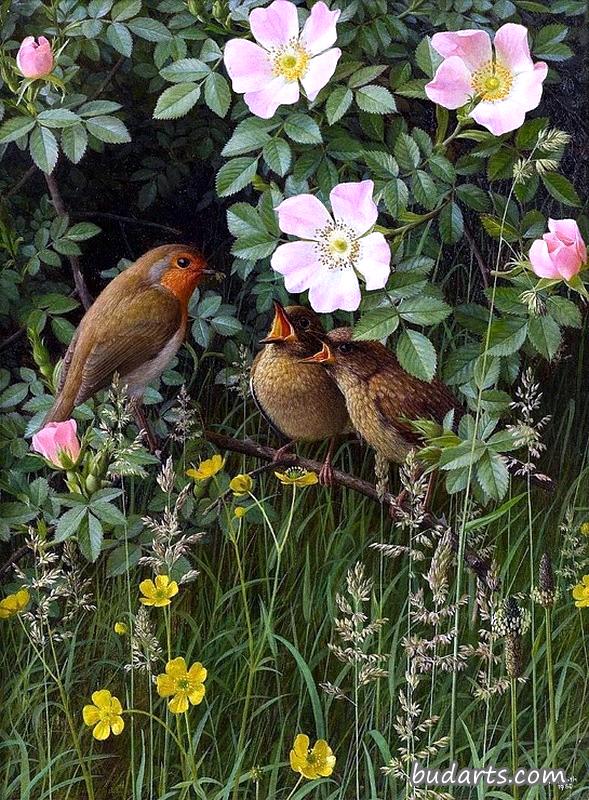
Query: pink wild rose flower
[35, 58]
[561, 253]
[56, 439]
[334, 249]
[506, 83]
[268, 73]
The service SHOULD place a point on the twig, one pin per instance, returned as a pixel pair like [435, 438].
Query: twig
[478, 256]
[479, 565]
[16, 556]
[59, 205]
[20, 182]
[131, 220]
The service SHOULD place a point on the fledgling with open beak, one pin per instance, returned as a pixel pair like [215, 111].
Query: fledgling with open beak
[302, 403]
[133, 328]
[380, 395]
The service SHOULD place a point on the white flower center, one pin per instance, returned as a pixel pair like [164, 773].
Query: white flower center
[291, 60]
[337, 246]
[492, 81]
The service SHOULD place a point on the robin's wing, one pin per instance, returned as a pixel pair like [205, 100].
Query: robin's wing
[134, 333]
[399, 396]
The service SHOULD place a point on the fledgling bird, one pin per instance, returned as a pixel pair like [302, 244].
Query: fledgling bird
[134, 328]
[380, 395]
[301, 402]
[381, 398]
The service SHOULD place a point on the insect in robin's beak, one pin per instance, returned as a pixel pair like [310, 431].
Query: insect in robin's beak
[282, 329]
[324, 356]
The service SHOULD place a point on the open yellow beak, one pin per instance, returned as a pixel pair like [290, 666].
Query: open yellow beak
[282, 329]
[324, 356]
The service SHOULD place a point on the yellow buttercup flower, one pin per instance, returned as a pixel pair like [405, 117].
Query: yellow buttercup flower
[160, 593]
[182, 685]
[121, 628]
[297, 476]
[239, 512]
[14, 603]
[206, 469]
[585, 529]
[581, 593]
[241, 484]
[316, 763]
[104, 715]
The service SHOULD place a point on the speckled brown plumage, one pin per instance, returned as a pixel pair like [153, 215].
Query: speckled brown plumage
[381, 395]
[300, 401]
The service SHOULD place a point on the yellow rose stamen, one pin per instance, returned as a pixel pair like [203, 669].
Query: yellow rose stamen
[291, 62]
[493, 81]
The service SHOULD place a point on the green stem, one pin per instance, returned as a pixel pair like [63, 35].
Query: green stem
[551, 698]
[295, 787]
[514, 736]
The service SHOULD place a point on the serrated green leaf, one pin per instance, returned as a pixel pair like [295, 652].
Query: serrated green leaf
[545, 336]
[427, 59]
[82, 231]
[235, 175]
[406, 152]
[365, 75]
[185, 70]
[119, 37]
[417, 355]
[396, 196]
[125, 9]
[176, 101]
[492, 475]
[338, 103]
[278, 156]
[473, 196]
[451, 223]
[376, 324]
[564, 311]
[108, 129]
[250, 134]
[561, 189]
[302, 129]
[217, 94]
[375, 99]
[424, 189]
[15, 128]
[74, 142]
[244, 220]
[506, 336]
[150, 29]
[424, 310]
[44, 149]
[499, 228]
[58, 118]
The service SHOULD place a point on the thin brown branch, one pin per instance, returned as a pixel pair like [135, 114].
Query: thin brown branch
[131, 220]
[59, 205]
[479, 565]
[478, 256]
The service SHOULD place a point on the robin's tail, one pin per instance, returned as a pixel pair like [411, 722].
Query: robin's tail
[61, 410]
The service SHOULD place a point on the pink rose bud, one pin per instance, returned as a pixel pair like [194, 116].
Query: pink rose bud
[57, 439]
[35, 58]
[561, 253]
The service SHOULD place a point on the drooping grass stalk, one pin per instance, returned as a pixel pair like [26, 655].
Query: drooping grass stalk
[514, 734]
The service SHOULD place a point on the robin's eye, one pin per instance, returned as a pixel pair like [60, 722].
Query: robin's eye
[345, 347]
[304, 324]
[183, 262]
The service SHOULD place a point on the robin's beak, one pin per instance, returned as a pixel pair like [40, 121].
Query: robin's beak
[324, 356]
[282, 329]
[219, 276]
